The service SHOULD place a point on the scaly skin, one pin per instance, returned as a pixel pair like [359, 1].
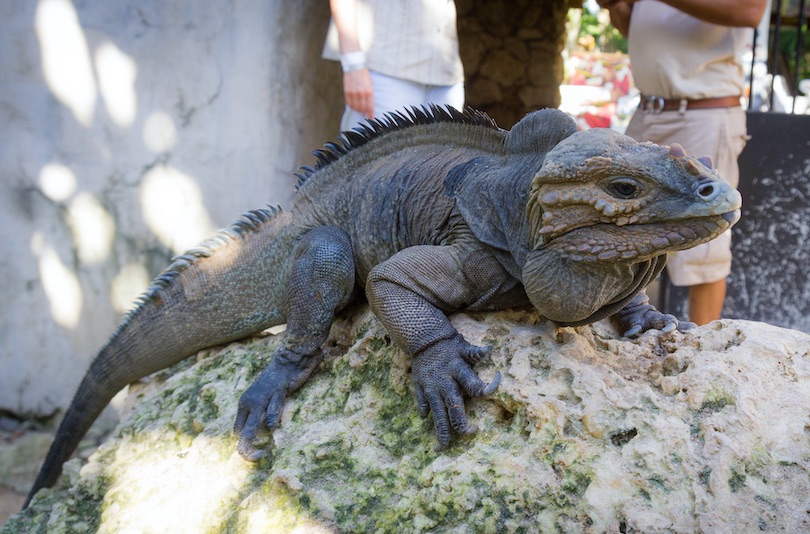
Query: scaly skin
[427, 214]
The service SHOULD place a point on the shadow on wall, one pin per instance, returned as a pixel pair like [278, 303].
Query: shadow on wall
[171, 201]
[138, 131]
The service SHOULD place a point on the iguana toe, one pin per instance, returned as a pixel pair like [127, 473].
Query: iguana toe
[683, 326]
[247, 426]
[422, 403]
[493, 386]
[473, 354]
[248, 451]
[634, 331]
[272, 415]
[249, 419]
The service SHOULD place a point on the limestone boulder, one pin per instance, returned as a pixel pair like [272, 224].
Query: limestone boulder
[701, 431]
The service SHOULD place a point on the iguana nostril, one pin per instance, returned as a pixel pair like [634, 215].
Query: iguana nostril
[707, 191]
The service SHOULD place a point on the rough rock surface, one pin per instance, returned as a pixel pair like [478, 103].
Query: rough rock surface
[706, 431]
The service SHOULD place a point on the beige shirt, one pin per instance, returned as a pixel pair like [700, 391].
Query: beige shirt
[674, 55]
[414, 40]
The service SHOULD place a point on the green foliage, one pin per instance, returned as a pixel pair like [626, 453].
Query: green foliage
[788, 45]
[605, 36]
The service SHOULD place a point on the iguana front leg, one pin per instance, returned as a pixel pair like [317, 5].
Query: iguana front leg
[639, 316]
[410, 294]
[321, 282]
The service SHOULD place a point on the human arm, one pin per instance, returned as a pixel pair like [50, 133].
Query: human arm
[357, 88]
[619, 14]
[742, 13]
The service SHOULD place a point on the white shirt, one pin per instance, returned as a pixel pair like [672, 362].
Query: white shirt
[674, 55]
[409, 39]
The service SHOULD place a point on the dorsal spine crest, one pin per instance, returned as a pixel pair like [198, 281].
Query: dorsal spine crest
[393, 121]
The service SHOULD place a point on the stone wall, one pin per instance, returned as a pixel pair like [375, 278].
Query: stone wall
[512, 55]
[132, 130]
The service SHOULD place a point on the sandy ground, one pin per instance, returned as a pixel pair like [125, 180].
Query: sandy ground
[10, 503]
[13, 438]
[23, 445]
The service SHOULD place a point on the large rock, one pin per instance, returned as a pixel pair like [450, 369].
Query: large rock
[704, 431]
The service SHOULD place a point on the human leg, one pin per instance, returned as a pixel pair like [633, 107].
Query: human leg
[706, 301]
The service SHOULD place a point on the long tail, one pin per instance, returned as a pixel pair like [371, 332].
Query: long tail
[227, 288]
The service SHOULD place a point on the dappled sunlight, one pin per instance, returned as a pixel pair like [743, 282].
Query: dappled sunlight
[173, 208]
[116, 79]
[81, 73]
[264, 518]
[159, 132]
[127, 285]
[92, 228]
[60, 284]
[57, 182]
[159, 485]
[65, 58]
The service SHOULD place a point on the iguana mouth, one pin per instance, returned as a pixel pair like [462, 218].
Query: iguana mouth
[638, 242]
[732, 217]
[724, 220]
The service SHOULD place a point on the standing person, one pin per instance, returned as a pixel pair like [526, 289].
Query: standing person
[686, 61]
[395, 54]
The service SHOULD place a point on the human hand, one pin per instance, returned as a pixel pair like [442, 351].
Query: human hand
[358, 92]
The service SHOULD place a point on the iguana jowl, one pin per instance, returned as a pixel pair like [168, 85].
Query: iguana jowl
[430, 212]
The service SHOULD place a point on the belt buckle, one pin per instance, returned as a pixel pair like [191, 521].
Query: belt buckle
[652, 104]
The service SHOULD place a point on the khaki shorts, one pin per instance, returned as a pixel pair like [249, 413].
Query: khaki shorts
[719, 133]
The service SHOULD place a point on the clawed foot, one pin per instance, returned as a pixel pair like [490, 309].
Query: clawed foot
[639, 316]
[263, 401]
[440, 373]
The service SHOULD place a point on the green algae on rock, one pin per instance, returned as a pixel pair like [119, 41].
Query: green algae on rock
[589, 432]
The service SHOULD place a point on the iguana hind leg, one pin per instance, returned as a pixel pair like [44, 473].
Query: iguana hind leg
[321, 282]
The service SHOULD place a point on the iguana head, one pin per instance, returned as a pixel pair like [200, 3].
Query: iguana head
[601, 196]
[602, 211]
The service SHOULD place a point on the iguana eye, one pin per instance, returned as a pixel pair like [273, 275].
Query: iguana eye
[623, 188]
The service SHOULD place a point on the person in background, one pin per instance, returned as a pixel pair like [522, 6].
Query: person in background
[395, 54]
[686, 62]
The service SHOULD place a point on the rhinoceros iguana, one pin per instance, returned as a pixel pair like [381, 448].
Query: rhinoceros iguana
[427, 211]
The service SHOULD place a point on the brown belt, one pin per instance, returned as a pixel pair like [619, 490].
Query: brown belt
[657, 104]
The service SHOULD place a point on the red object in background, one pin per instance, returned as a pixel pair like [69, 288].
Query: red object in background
[596, 121]
[602, 117]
